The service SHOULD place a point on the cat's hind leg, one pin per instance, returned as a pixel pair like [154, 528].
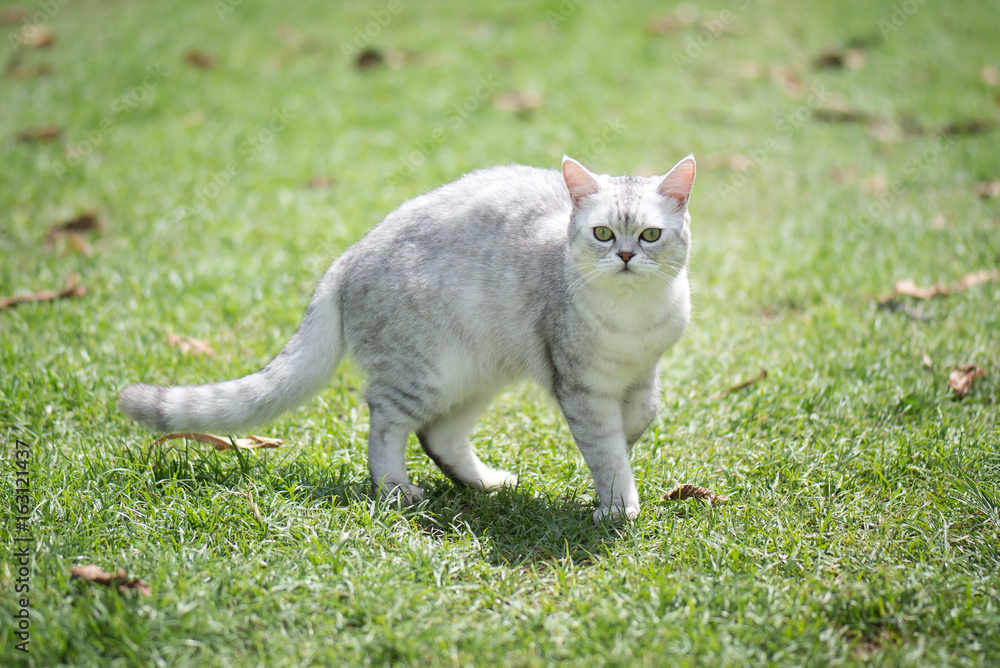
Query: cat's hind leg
[446, 442]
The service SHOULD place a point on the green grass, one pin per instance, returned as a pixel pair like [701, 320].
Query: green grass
[864, 525]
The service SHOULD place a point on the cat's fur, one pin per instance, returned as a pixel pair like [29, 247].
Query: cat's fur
[457, 293]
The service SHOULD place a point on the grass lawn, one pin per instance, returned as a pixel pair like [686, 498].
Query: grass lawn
[230, 150]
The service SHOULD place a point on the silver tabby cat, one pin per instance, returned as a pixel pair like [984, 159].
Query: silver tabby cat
[576, 280]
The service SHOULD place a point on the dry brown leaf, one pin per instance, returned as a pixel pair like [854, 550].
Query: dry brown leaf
[874, 184]
[852, 59]
[665, 25]
[740, 386]
[790, 81]
[749, 69]
[200, 59]
[38, 37]
[987, 189]
[14, 14]
[928, 362]
[969, 126]
[85, 222]
[885, 131]
[72, 289]
[290, 36]
[910, 289]
[518, 101]
[689, 491]
[220, 443]
[939, 221]
[79, 244]
[119, 579]
[961, 377]
[188, 344]
[735, 161]
[320, 181]
[21, 72]
[842, 113]
[989, 75]
[369, 58]
[843, 174]
[41, 133]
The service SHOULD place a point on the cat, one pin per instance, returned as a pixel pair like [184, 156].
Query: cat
[576, 280]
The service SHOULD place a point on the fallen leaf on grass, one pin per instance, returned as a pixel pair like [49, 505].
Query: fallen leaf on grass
[852, 59]
[969, 126]
[37, 37]
[14, 14]
[939, 221]
[664, 25]
[86, 222]
[518, 101]
[987, 189]
[220, 443]
[18, 70]
[369, 58]
[290, 36]
[789, 80]
[320, 181]
[119, 579]
[72, 289]
[961, 377]
[689, 491]
[928, 362]
[200, 59]
[740, 386]
[989, 75]
[842, 113]
[734, 161]
[910, 289]
[188, 344]
[41, 133]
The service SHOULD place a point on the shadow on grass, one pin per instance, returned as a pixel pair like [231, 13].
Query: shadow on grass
[514, 526]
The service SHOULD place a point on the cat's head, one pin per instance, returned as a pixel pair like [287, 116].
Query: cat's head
[629, 227]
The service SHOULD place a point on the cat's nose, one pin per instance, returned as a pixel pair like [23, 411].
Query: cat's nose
[626, 256]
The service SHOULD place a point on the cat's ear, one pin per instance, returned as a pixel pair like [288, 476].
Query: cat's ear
[678, 181]
[579, 180]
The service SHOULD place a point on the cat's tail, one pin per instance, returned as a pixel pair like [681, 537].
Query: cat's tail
[300, 370]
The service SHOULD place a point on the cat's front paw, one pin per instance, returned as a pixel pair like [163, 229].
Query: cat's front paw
[616, 514]
[405, 493]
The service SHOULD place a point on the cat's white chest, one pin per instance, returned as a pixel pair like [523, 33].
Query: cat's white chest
[631, 333]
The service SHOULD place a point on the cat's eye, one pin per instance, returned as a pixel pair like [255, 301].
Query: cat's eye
[603, 233]
[650, 234]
